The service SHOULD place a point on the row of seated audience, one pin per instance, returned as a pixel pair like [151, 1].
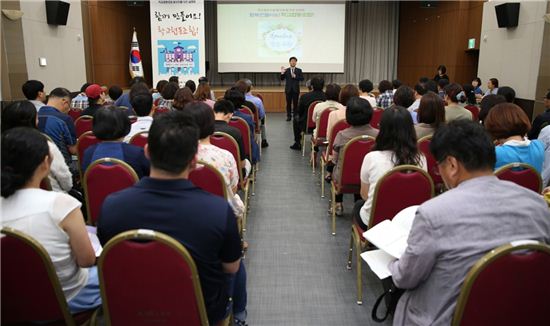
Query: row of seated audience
[211, 244]
[164, 199]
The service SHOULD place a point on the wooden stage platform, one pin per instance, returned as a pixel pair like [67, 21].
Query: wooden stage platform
[274, 97]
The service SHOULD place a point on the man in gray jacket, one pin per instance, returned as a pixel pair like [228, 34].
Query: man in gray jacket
[452, 231]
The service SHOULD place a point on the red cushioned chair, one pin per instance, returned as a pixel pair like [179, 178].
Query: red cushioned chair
[139, 139]
[149, 278]
[399, 188]
[225, 141]
[102, 178]
[86, 140]
[376, 117]
[242, 125]
[349, 181]
[507, 286]
[475, 111]
[83, 124]
[30, 288]
[321, 139]
[326, 154]
[255, 117]
[310, 125]
[522, 174]
[74, 113]
[160, 110]
[424, 147]
[209, 179]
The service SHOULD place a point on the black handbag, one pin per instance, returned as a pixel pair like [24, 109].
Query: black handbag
[392, 295]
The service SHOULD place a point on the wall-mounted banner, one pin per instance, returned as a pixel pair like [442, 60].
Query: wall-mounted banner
[177, 39]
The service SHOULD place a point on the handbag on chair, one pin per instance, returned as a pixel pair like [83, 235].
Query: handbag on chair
[392, 295]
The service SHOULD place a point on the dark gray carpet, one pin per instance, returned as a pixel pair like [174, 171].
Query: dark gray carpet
[296, 270]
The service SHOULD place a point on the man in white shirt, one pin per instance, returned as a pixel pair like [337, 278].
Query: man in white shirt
[142, 102]
[365, 87]
[34, 92]
[419, 91]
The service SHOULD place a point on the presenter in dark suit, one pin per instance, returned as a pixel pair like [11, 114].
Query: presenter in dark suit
[292, 77]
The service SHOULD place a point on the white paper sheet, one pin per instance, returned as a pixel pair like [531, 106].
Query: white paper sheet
[378, 261]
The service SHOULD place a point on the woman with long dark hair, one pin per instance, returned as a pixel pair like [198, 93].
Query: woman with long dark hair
[52, 218]
[395, 145]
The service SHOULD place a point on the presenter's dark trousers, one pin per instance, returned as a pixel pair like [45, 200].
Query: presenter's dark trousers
[291, 102]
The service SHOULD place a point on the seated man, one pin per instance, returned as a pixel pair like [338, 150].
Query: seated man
[223, 111]
[167, 202]
[34, 92]
[142, 104]
[454, 230]
[80, 101]
[237, 98]
[54, 121]
[542, 120]
[300, 115]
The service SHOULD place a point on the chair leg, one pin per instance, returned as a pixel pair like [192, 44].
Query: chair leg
[359, 279]
[333, 208]
[322, 179]
[350, 254]
[303, 144]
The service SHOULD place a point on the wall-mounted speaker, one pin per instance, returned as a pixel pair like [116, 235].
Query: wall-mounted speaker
[507, 14]
[57, 12]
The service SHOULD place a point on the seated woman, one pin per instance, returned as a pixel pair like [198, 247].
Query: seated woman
[332, 92]
[202, 94]
[23, 114]
[358, 116]
[53, 219]
[453, 96]
[431, 114]
[183, 97]
[110, 126]
[215, 156]
[508, 125]
[395, 145]
[168, 93]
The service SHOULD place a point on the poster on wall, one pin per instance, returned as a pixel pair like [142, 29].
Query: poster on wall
[177, 39]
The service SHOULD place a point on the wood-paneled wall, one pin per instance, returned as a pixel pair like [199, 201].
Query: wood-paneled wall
[429, 37]
[108, 32]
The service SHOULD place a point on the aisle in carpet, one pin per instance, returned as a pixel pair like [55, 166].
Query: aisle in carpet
[296, 270]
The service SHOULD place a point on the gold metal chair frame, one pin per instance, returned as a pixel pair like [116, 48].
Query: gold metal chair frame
[333, 185]
[516, 165]
[311, 107]
[324, 160]
[137, 135]
[313, 141]
[481, 264]
[150, 235]
[78, 140]
[245, 183]
[48, 265]
[357, 243]
[99, 162]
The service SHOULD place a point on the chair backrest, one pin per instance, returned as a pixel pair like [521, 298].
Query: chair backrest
[227, 142]
[254, 114]
[376, 117]
[522, 174]
[242, 125]
[507, 286]
[475, 111]
[85, 140]
[246, 110]
[30, 288]
[160, 110]
[83, 124]
[424, 147]
[75, 113]
[339, 126]
[259, 95]
[350, 161]
[399, 188]
[209, 179]
[323, 123]
[139, 139]
[102, 178]
[311, 124]
[163, 287]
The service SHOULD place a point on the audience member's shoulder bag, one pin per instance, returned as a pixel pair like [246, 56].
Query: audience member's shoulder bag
[392, 295]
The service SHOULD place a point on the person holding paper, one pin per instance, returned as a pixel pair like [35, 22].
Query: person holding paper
[292, 77]
[455, 229]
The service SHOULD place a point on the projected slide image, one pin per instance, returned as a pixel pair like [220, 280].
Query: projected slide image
[280, 38]
[178, 57]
